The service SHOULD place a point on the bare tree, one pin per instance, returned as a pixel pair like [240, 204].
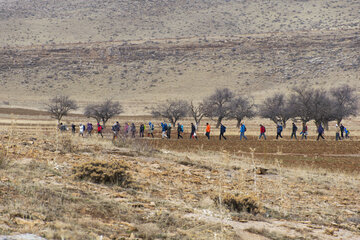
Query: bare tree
[218, 105]
[321, 108]
[241, 108]
[345, 102]
[173, 110]
[104, 111]
[60, 106]
[300, 104]
[276, 108]
[197, 112]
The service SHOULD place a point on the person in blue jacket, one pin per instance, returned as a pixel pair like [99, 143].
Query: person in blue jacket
[242, 131]
[279, 130]
[163, 130]
[151, 130]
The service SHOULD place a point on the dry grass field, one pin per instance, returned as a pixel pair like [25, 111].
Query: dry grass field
[175, 189]
[63, 186]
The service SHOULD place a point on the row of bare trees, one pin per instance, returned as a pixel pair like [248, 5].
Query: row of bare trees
[306, 104]
[222, 104]
[60, 106]
[303, 105]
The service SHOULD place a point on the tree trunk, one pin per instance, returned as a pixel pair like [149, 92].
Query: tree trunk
[219, 122]
[326, 125]
[238, 123]
[197, 123]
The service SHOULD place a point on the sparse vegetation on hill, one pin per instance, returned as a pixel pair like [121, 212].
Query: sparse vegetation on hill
[185, 49]
[72, 21]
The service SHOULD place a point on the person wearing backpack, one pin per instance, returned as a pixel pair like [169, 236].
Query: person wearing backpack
[151, 130]
[179, 131]
[168, 131]
[222, 131]
[142, 130]
[126, 129]
[99, 130]
[163, 130]
[89, 128]
[279, 129]
[207, 131]
[133, 130]
[262, 131]
[116, 129]
[73, 128]
[347, 132]
[342, 130]
[193, 132]
[81, 130]
[242, 131]
[320, 132]
[294, 129]
[337, 132]
[304, 131]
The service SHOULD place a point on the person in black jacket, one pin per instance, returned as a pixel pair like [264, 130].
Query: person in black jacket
[222, 131]
[193, 131]
[321, 132]
[179, 130]
[342, 130]
[294, 129]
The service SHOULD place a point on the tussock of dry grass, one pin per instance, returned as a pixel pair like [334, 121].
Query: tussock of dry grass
[100, 171]
[240, 203]
[273, 235]
[137, 146]
[4, 161]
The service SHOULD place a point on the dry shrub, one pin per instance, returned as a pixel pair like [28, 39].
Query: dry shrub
[148, 230]
[100, 171]
[272, 234]
[66, 145]
[139, 146]
[4, 161]
[237, 203]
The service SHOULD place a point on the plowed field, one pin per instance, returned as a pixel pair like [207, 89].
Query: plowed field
[342, 156]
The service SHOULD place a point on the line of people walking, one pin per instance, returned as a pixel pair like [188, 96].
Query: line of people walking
[129, 130]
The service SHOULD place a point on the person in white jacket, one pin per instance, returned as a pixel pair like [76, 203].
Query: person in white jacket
[81, 129]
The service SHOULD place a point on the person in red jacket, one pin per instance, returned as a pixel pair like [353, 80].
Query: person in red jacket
[262, 131]
[99, 130]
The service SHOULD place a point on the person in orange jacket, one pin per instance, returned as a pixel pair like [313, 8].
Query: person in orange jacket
[207, 132]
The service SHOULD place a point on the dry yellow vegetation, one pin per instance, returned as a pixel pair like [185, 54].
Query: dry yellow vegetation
[198, 193]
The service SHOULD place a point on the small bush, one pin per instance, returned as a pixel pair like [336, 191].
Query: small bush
[238, 203]
[272, 234]
[4, 161]
[99, 171]
[148, 230]
[138, 146]
[66, 145]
